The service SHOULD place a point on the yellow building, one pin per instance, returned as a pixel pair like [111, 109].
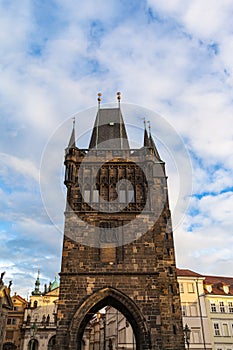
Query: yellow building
[194, 313]
[219, 306]
[15, 318]
[40, 318]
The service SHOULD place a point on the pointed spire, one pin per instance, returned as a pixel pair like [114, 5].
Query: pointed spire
[152, 143]
[146, 138]
[72, 137]
[37, 285]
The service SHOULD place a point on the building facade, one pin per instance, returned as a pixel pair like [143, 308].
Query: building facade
[5, 306]
[13, 335]
[194, 313]
[219, 306]
[40, 318]
[118, 244]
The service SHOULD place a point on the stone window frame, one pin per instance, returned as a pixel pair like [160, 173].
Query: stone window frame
[222, 308]
[230, 307]
[217, 332]
[213, 307]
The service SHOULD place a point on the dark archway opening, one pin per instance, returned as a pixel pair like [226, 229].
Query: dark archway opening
[117, 301]
[33, 344]
[109, 329]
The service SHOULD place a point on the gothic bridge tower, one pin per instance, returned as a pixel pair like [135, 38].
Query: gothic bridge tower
[118, 244]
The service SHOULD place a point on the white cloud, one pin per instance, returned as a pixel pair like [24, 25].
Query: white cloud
[167, 65]
[21, 166]
[205, 19]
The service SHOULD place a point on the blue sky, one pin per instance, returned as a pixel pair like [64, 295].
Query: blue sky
[172, 57]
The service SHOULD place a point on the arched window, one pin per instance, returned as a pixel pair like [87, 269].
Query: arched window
[122, 195]
[131, 197]
[95, 196]
[87, 195]
[52, 343]
[33, 344]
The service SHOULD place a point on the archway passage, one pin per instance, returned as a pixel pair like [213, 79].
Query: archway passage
[108, 330]
[115, 300]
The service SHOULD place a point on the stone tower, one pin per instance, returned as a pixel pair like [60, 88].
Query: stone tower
[118, 245]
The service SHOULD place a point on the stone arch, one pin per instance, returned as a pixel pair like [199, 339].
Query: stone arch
[120, 301]
[33, 344]
[52, 343]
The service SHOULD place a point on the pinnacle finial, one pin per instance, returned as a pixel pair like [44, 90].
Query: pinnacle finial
[99, 98]
[119, 98]
[73, 121]
[144, 122]
[149, 126]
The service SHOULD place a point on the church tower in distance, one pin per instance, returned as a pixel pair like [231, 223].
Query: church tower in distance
[118, 243]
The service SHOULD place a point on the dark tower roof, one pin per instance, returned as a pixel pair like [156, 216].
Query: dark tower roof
[109, 130]
[146, 139]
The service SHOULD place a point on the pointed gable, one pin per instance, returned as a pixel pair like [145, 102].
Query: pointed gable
[109, 130]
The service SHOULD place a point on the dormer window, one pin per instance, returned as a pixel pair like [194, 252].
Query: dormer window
[208, 288]
[226, 289]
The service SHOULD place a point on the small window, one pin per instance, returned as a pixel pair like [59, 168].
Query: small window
[213, 307]
[193, 310]
[181, 286]
[230, 307]
[216, 329]
[221, 306]
[9, 321]
[122, 196]
[131, 196]
[16, 308]
[170, 288]
[190, 288]
[183, 310]
[225, 329]
[95, 197]
[196, 336]
[87, 196]
[14, 321]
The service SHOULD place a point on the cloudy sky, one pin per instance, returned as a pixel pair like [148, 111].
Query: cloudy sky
[173, 58]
